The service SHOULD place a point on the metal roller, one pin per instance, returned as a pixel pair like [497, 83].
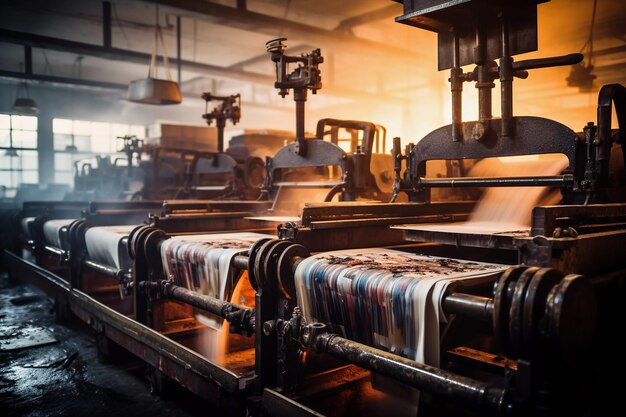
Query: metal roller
[251, 260]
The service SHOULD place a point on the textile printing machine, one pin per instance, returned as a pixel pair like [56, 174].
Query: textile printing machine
[95, 279]
[232, 173]
[359, 304]
[359, 172]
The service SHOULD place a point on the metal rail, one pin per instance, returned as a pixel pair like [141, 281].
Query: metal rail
[465, 390]
[544, 181]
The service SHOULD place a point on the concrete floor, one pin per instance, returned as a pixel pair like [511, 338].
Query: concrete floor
[65, 377]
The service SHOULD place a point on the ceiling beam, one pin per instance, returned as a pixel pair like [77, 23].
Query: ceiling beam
[124, 55]
[274, 27]
[117, 54]
[63, 80]
[346, 25]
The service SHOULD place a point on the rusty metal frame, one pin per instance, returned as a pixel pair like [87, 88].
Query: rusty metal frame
[188, 368]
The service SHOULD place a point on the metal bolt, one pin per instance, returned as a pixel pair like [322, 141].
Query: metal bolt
[268, 327]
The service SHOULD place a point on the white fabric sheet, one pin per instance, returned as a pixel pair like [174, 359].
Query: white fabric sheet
[25, 223]
[108, 245]
[477, 228]
[386, 298]
[52, 230]
[202, 263]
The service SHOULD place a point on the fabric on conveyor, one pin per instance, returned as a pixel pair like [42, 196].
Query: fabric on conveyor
[108, 245]
[52, 230]
[505, 210]
[381, 297]
[512, 206]
[203, 263]
[25, 223]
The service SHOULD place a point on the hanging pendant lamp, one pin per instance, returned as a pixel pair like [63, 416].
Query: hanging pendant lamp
[24, 104]
[153, 90]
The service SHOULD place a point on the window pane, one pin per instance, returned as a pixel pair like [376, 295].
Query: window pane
[25, 122]
[7, 162]
[30, 177]
[83, 143]
[5, 177]
[100, 129]
[61, 141]
[62, 126]
[63, 162]
[4, 138]
[4, 121]
[102, 144]
[64, 178]
[28, 159]
[25, 139]
[82, 127]
[118, 129]
[138, 131]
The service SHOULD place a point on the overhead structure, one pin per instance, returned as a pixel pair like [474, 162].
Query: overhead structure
[153, 90]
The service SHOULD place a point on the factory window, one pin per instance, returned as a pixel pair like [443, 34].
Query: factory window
[79, 141]
[18, 153]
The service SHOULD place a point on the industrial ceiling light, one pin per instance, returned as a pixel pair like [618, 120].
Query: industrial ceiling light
[581, 75]
[11, 152]
[71, 148]
[153, 90]
[23, 103]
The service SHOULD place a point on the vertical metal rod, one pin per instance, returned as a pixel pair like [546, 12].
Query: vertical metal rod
[456, 87]
[28, 60]
[506, 83]
[221, 124]
[106, 24]
[299, 96]
[484, 83]
[178, 50]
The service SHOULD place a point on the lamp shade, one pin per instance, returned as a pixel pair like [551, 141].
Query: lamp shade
[154, 91]
[25, 105]
[11, 152]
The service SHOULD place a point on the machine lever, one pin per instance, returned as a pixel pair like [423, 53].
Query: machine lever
[554, 61]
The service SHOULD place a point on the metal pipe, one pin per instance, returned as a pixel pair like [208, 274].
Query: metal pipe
[56, 251]
[465, 390]
[28, 60]
[240, 261]
[118, 274]
[299, 96]
[506, 83]
[178, 51]
[106, 24]
[203, 302]
[543, 181]
[467, 305]
[456, 88]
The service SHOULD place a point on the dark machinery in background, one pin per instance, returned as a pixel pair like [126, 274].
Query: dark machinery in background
[224, 174]
[229, 109]
[105, 178]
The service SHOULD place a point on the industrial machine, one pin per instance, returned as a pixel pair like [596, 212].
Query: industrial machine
[361, 307]
[344, 172]
[108, 177]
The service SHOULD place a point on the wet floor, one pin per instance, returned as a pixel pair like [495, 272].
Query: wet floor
[52, 369]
